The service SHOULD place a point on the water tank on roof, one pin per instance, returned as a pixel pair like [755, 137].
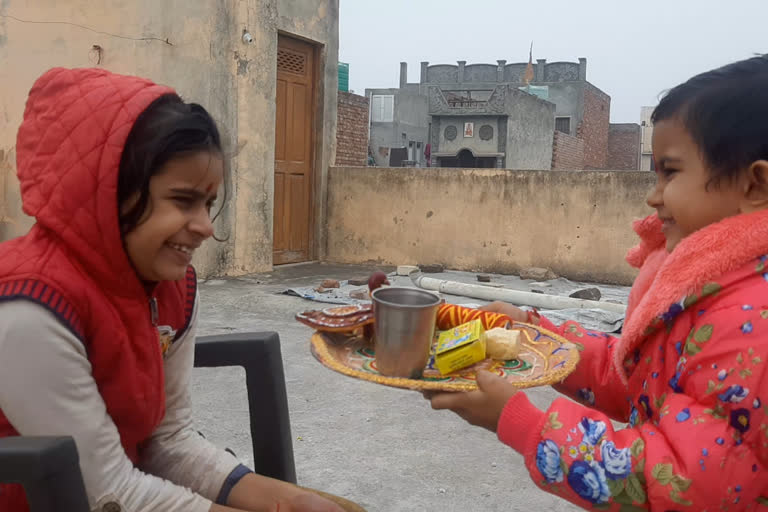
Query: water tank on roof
[343, 77]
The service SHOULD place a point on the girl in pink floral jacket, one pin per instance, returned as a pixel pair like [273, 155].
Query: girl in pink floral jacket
[689, 371]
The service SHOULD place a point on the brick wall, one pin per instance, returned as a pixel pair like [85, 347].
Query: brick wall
[594, 127]
[623, 147]
[352, 130]
[567, 152]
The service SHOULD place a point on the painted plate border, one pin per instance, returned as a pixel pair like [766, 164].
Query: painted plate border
[552, 373]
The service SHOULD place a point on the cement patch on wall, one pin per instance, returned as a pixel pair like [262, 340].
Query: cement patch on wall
[576, 223]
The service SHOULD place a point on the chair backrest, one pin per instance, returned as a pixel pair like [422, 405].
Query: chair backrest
[49, 470]
[259, 354]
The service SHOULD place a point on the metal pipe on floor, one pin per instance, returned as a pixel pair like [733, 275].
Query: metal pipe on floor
[517, 297]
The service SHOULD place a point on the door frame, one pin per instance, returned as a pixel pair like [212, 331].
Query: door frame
[317, 134]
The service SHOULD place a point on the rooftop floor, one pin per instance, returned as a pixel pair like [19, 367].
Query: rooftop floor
[382, 447]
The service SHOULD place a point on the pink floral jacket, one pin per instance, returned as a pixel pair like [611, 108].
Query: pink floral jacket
[688, 374]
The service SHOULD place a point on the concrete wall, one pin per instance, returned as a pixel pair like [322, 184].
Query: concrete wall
[530, 125]
[483, 74]
[410, 118]
[381, 135]
[561, 71]
[206, 62]
[577, 223]
[646, 139]
[569, 100]
[646, 163]
[413, 121]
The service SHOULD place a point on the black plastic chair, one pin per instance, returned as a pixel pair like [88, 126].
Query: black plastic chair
[48, 467]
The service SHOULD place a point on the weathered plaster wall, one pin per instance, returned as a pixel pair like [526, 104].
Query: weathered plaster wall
[409, 117]
[254, 76]
[208, 63]
[530, 125]
[577, 223]
[198, 63]
[569, 100]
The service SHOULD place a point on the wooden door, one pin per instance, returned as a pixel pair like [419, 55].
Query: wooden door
[293, 213]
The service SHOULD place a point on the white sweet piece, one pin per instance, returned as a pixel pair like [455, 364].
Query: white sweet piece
[502, 344]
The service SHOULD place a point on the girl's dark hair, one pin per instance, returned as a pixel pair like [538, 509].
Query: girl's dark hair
[726, 113]
[167, 129]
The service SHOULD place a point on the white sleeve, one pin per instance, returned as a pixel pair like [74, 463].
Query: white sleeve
[47, 389]
[176, 451]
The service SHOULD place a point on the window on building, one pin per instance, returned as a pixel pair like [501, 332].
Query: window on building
[382, 108]
[563, 124]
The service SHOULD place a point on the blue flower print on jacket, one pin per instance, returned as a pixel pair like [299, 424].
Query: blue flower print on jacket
[588, 480]
[593, 430]
[740, 419]
[734, 394]
[683, 415]
[548, 461]
[587, 396]
[617, 463]
[674, 382]
[673, 311]
[633, 417]
[645, 403]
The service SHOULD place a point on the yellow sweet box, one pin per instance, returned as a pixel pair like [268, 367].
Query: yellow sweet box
[460, 347]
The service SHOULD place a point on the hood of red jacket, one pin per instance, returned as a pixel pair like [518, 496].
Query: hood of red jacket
[68, 154]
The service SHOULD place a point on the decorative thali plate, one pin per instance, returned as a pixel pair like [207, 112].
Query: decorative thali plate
[544, 359]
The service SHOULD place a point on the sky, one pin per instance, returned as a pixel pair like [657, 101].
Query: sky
[634, 50]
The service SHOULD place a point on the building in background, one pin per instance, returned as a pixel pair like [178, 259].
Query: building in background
[399, 124]
[646, 140]
[536, 116]
[515, 121]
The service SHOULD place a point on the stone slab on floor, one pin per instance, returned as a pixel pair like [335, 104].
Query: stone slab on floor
[382, 447]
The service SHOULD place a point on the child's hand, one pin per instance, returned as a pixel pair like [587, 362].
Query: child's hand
[311, 502]
[482, 407]
[515, 313]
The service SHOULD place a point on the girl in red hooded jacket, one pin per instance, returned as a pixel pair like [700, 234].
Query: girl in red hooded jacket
[98, 302]
[689, 371]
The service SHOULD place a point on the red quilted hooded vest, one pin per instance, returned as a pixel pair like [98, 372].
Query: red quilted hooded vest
[72, 261]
